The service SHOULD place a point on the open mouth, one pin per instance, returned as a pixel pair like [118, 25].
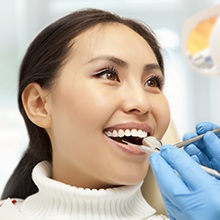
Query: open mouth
[132, 136]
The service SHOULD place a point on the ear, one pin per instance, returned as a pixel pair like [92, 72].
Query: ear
[36, 102]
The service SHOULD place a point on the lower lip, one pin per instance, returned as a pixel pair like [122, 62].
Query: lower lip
[128, 148]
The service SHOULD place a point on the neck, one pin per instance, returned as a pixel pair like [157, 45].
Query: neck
[57, 199]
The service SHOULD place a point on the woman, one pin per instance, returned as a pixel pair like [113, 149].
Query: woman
[87, 82]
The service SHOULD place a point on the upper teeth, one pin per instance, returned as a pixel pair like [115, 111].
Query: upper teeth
[127, 132]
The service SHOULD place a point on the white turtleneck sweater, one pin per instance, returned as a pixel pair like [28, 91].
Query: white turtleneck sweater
[58, 201]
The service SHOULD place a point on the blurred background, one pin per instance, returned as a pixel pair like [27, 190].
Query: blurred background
[193, 97]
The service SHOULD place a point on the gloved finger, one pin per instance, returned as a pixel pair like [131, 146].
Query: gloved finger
[168, 205]
[212, 144]
[214, 164]
[199, 144]
[171, 208]
[191, 173]
[189, 135]
[203, 127]
[167, 178]
[174, 209]
[194, 150]
[196, 159]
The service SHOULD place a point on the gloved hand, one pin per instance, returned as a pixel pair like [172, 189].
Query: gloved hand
[188, 191]
[207, 150]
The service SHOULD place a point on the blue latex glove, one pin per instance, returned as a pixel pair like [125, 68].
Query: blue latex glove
[190, 194]
[207, 150]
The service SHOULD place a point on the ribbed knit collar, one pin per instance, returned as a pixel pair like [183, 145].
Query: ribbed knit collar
[56, 199]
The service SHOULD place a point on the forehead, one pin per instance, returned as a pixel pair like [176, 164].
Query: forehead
[109, 31]
[108, 36]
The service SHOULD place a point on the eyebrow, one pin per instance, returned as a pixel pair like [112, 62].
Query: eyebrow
[113, 59]
[152, 66]
[122, 63]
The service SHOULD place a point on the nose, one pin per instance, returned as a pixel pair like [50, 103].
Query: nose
[136, 100]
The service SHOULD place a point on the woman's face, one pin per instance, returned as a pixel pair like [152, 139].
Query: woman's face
[110, 85]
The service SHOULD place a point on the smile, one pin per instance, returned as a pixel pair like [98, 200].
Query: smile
[133, 136]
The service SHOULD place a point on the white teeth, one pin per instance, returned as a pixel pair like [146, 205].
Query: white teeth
[127, 133]
[115, 133]
[140, 133]
[134, 132]
[121, 133]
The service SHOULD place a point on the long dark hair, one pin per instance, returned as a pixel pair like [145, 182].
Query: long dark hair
[42, 62]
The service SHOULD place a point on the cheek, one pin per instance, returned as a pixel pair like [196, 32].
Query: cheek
[82, 107]
[76, 117]
[93, 107]
[162, 115]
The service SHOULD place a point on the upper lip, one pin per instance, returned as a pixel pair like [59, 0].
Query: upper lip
[131, 125]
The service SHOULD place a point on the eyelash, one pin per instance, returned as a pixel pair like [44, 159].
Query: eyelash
[158, 80]
[106, 70]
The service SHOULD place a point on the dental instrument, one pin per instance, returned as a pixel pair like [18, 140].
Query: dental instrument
[152, 144]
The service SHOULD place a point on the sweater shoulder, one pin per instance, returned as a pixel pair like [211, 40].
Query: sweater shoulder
[10, 209]
[16, 202]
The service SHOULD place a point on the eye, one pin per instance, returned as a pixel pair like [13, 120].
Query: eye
[155, 82]
[109, 73]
